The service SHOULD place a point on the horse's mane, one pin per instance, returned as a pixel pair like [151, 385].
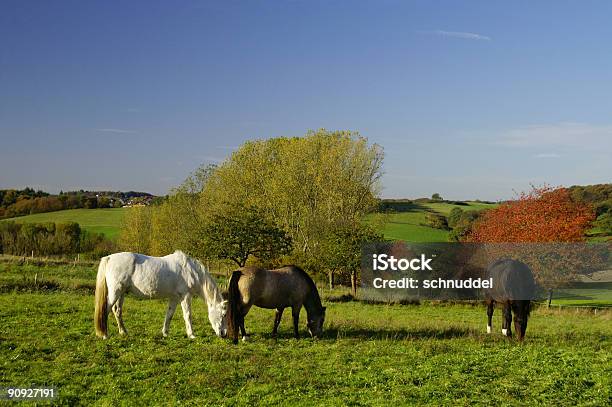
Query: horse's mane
[311, 284]
[211, 290]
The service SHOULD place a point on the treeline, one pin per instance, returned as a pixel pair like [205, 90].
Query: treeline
[27, 201]
[406, 205]
[51, 239]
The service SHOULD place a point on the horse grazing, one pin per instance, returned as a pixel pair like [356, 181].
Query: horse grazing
[278, 289]
[513, 287]
[176, 277]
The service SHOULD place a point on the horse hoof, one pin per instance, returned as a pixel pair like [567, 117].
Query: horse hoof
[505, 332]
[488, 329]
[191, 336]
[165, 334]
[245, 338]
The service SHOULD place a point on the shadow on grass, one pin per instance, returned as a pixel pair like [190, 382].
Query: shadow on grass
[335, 333]
[405, 206]
[402, 333]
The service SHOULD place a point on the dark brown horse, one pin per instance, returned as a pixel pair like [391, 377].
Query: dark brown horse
[278, 289]
[514, 288]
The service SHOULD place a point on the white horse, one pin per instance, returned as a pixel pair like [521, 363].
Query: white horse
[176, 277]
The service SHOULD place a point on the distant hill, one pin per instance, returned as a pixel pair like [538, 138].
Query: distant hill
[27, 201]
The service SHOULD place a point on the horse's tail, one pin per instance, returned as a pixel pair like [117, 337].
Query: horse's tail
[233, 312]
[101, 307]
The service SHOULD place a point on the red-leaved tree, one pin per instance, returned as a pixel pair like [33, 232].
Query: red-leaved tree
[542, 215]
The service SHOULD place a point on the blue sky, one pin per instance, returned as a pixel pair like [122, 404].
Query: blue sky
[468, 99]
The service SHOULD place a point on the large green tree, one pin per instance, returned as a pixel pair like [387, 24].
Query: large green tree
[306, 186]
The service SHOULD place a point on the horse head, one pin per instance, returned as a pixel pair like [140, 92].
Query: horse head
[217, 317]
[315, 323]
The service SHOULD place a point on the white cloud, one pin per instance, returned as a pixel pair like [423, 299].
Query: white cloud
[573, 135]
[116, 130]
[461, 34]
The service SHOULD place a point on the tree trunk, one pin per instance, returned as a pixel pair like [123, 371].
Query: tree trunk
[354, 283]
[550, 292]
[330, 275]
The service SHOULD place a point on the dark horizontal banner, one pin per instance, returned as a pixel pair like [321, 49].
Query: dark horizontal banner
[397, 271]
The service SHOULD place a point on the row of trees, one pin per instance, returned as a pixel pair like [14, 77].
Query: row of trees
[280, 200]
[51, 203]
[10, 196]
[27, 201]
[42, 239]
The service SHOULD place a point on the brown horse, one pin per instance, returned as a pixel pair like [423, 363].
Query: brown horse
[278, 289]
[514, 288]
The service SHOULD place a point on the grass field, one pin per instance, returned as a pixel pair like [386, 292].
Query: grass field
[586, 295]
[106, 221]
[369, 355]
[409, 225]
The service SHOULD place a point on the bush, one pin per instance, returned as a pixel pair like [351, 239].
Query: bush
[454, 217]
[461, 223]
[45, 239]
[436, 221]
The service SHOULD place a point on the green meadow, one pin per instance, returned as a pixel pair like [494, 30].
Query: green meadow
[369, 354]
[410, 224]
[106, 221]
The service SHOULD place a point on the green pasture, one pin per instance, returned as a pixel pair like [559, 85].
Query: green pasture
[409, 225]
[369, 355]
[585, 295]
[106, 220]
[444, 208]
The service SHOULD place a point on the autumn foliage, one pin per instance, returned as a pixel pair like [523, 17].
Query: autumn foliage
[541, 215]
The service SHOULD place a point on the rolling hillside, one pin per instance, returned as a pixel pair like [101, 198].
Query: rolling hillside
[408, 224]
[106, 221]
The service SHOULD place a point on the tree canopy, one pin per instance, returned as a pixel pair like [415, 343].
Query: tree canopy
[306, 187]
[541, 215]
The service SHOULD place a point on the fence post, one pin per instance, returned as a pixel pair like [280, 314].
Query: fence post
[550, 291]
